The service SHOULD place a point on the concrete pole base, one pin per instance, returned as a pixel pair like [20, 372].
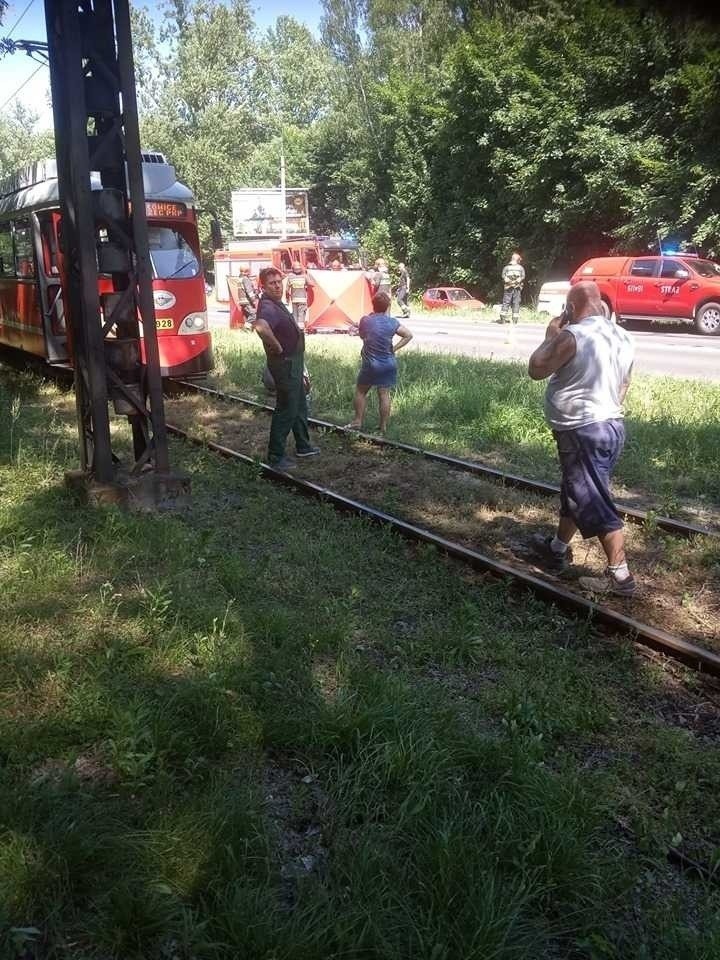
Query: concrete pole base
[147, 493]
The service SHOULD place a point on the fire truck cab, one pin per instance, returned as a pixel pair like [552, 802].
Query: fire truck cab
[672, 287]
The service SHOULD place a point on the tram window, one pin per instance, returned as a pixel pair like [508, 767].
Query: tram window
[7, 266]
[24, 256]
[171, 254]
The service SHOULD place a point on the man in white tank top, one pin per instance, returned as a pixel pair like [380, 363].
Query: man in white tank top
[588, 359]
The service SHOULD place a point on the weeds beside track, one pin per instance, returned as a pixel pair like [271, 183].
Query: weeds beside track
[679, 595]
[694, 656]
[671, 525]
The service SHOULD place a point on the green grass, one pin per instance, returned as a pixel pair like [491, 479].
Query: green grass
[489, 314]
[257, 729]
[493, 411]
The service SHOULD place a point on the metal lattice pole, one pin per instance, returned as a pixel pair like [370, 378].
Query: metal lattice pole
[105, 232]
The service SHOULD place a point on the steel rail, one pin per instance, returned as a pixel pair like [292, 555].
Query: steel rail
[693, 655]
[677, 527]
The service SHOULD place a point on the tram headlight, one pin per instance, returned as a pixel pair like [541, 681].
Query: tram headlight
[194, 323]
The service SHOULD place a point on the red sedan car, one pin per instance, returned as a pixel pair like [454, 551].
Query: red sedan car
[438, 298]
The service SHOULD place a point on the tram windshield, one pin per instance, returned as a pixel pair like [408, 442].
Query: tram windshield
[171, 254]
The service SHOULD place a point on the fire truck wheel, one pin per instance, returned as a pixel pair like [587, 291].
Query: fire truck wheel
[707, 319]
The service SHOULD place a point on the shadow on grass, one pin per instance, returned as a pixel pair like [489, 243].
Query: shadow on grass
[228, 686]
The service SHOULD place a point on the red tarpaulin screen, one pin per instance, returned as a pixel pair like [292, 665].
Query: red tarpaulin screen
[337, 299]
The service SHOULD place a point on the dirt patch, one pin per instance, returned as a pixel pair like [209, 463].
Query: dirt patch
[88, 768]
[699, 717]
[296, 807]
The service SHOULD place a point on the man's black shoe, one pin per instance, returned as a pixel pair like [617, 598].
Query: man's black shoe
[541, 551]
[284, 464]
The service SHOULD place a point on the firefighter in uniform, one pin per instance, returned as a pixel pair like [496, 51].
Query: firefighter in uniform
[247, 296]
[513, 278]
[381, 279]
[403, 290]
[296, 293]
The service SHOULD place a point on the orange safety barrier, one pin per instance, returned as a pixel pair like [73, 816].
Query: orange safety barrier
[337, 299]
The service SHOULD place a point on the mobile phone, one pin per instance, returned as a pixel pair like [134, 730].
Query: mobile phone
[566, 315]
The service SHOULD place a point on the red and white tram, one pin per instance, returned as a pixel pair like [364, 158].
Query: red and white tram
[31, 269]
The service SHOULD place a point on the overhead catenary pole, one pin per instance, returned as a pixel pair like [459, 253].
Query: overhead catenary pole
[73, 167]
[143, 265]
[105, 231]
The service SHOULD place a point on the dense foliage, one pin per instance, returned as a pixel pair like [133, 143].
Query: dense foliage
[446, 132]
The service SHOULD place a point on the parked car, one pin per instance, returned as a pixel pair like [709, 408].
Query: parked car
[678, 287]
[438, 298]
[552, 296]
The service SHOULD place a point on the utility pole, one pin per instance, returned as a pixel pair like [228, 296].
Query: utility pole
[283, 190]
[104, 231]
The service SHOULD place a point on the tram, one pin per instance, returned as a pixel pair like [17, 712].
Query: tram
[32, 318]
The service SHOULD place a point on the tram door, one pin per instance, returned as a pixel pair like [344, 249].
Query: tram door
[51, 295]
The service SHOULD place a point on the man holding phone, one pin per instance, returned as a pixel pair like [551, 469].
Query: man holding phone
[588, 359]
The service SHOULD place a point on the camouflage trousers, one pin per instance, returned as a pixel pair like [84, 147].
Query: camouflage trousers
[511, 299]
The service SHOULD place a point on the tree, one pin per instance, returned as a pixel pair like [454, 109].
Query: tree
[218, 97]
[557, 142]
[566, 127]
[20, 143]
[200, 104]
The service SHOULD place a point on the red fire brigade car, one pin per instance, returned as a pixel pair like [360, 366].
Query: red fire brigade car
[670, 287]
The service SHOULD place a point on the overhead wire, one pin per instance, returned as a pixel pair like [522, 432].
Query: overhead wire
[24, 83]
[17, 22]
[28, 79]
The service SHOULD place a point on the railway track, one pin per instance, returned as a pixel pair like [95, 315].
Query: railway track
[647, 635]
[669, 524]
[679, 648]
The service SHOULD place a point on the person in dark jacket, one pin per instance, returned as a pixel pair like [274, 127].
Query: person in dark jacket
[247, 296]
[284, 345]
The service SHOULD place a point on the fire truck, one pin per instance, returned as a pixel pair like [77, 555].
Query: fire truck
[312, 251]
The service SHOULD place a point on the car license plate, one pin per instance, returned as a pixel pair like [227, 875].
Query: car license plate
[164, 323]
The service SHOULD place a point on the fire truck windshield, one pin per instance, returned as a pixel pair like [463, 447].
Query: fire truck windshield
[171, 254]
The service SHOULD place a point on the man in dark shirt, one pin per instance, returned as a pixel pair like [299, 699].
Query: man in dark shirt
[284, 344]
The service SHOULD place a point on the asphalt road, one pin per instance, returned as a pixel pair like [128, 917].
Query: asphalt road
[671, 351]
